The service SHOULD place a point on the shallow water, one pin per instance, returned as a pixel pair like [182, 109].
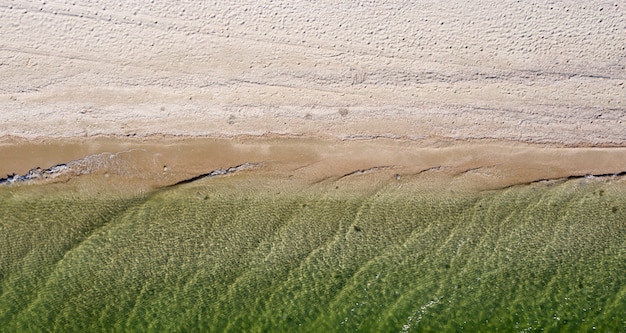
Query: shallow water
[209, 256]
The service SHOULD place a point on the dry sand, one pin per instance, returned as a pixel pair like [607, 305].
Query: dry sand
[546, 73]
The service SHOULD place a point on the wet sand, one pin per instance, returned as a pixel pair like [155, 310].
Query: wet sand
[162, 161]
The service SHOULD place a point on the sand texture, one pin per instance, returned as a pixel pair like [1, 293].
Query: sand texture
[144, 164]
[539, 72]
[312, 166]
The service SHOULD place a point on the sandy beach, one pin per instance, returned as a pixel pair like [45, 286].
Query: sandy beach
[312, 166]
[497, 80]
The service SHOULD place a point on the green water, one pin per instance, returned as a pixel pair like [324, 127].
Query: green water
[205, 257]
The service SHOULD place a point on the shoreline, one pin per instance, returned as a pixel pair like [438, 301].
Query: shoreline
[392, 243]
[382, 166]
[163, 161]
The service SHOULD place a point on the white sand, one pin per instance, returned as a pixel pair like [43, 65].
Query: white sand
[543, 71]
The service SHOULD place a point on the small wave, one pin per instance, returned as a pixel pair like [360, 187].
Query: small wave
[90, 164]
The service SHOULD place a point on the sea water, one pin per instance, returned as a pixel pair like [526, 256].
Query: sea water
[210, 256]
